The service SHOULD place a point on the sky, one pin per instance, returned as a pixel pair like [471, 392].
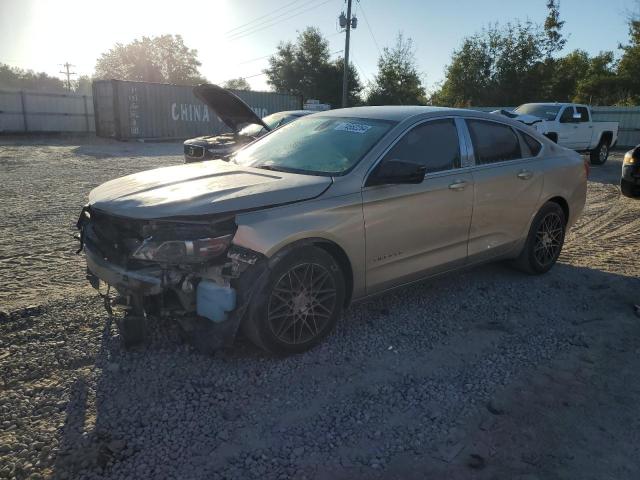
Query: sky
[235, 37]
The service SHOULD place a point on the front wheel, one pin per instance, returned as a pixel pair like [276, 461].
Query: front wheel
[545, 240]
[299, 304]
[600, 154]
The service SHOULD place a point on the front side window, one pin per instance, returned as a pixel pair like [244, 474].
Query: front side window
[315, 145]
[584, 113]
[493, 142]
[434, 145]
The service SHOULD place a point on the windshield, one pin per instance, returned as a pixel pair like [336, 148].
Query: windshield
[315, 145]
[546, 112]
[272, 121]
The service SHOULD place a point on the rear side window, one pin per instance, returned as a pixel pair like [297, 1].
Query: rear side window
[530, 146]
[493, 142]
[584, 113]
[433, 144]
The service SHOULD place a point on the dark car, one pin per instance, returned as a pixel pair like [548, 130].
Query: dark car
[630, 180]
[245, 125]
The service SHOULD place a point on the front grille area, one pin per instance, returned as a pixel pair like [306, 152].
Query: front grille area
[116, 238]
[194, 151]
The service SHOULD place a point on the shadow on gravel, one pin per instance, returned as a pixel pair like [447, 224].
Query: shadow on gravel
[129, 149]
[381, 398]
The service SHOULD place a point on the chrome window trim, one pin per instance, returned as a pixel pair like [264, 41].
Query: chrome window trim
[464, 152]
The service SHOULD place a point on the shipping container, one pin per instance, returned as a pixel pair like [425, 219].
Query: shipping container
[24, 111]
[130, 110]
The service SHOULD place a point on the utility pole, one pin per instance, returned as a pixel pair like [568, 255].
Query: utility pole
[68, 74]
[347, 22]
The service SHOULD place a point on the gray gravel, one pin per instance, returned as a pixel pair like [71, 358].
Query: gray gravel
[457, 377]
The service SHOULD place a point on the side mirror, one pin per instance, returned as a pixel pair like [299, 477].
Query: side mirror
[391, 172]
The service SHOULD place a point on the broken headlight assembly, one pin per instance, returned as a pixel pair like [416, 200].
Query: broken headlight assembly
[182, 251]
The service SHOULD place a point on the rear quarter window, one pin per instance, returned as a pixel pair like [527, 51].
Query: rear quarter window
[530, 146]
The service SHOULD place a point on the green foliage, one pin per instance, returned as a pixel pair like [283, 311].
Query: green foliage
[163, 59]
[12, 77]
[304, 68]
[516, 64]
[398, 80]
[237, 84]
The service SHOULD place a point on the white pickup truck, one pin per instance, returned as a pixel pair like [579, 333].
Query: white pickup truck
[569, 125]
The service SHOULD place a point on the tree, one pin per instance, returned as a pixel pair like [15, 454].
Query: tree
[499, 67]
[83, 85]
[398, 80]
[304, 68]
[13, 77]
[163, 59]
[555, 42]
[237, 84]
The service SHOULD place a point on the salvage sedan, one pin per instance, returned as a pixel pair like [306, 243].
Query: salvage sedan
[327, 210]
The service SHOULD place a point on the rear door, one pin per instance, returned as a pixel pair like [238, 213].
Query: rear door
[508, 183]
[415, 230]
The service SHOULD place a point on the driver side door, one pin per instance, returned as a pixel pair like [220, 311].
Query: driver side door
[567, 128]
[414, 230]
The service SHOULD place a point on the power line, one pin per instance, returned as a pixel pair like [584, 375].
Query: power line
[263, 73]
[373, 37]
[268, 20]
[262, 16]
[251, 32]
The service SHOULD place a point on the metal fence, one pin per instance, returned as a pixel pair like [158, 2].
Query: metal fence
[24, 111]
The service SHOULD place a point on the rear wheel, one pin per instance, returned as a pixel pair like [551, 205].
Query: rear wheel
[299, 304]
[545, 240]
[600, 154]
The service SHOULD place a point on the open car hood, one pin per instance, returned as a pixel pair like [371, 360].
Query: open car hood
[204, 188]
[229, 107]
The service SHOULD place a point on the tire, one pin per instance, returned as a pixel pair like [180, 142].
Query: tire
[628, 189]
[544, 241]
[600, 154]
[299, 304]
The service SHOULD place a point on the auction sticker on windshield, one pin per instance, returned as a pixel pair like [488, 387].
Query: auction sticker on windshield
[352, 127]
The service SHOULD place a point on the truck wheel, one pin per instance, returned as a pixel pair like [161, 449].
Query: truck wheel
[600, 154]
[544, 242]
[299, 304]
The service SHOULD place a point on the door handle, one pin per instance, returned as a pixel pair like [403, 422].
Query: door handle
[525, 175]
[458, 185]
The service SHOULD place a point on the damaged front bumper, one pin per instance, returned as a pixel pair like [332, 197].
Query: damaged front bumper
[209, 301]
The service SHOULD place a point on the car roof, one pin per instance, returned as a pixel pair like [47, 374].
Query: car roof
[399, 113]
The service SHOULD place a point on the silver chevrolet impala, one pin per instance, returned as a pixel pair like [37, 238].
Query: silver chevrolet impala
[327, 210]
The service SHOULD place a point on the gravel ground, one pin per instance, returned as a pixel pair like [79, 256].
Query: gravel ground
[484, 374]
